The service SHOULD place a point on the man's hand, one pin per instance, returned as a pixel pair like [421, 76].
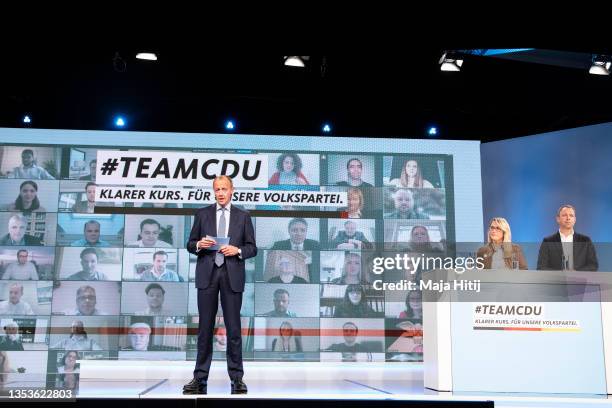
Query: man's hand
[356, 243]
[229, 250]
[205, 243]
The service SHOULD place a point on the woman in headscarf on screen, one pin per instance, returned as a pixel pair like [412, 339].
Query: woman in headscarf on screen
[500, 252]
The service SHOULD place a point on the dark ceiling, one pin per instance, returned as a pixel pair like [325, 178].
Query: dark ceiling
[368, 94]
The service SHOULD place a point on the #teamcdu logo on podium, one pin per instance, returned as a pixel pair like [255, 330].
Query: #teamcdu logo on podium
[148, 168]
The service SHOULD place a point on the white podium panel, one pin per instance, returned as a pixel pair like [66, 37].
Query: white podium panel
[524, 331]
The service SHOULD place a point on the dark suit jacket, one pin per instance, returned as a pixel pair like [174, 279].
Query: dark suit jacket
[28, 239]
[242, 235]
[551, 253]
[309, 245]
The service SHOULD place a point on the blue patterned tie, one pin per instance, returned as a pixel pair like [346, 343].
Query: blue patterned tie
[219, 257]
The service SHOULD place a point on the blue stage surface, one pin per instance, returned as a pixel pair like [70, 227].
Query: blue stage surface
[301, 383]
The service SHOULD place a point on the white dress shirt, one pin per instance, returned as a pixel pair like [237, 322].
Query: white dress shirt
[20, 308]
[227, 213]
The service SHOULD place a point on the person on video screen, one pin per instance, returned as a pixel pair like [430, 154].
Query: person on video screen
[86, 301]
[27, 201]
[91, 232]
[354, 168]
[11, 341]
[92, 172]
[350, 238]
[351, 272]
[139, 335]
[350, 344]
[17, 225]
[29, 169]
[281, 305]
[89, 262]
[149, 235]
[288, 340]
[78, 339]
[403, 201]
[289, 170]
[298, 229]
[14, 305]
[159, 271]
[354, 303]
[285, 270]
[411, 176]
[155, 301]
[89, 205]
[22, 269]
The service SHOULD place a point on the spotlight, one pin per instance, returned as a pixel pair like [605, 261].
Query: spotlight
[432, 131]
[147, 56]
[229, 125]
[120, 122]
[295, 61]
[450, 61]
[601, 65]
[27, 120]
[326, 128]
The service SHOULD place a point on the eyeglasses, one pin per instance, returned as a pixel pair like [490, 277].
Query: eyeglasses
[81, 298]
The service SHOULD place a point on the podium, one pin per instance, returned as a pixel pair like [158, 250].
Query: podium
[525, 331]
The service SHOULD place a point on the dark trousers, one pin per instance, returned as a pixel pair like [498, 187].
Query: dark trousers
[231, 302]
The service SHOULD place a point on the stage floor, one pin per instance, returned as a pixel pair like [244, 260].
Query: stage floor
[375, 381]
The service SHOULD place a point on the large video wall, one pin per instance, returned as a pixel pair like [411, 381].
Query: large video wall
[80, 284]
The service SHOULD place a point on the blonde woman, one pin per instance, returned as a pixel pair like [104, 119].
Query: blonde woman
[354, 197]
[500, 252]
[351, 273]
[411, 176]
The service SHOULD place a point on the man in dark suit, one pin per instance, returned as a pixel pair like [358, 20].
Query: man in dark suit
[298, 228]
[566, 246]
[17, 225]
[220, 271]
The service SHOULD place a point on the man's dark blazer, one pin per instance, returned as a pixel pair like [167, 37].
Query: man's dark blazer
[309, 245]
[27, 239]
[242, 235]
[551, 253]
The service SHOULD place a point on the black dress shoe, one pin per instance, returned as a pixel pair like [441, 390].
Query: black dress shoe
[202, 389]
[196, 385]
[239, 387]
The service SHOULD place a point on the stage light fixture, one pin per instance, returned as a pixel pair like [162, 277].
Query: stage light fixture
[295, 61]
[432, 131]
[120, 122]
[450, 62]
[601, 65]
[326, 128]
[27, 119]
[147, 56]
[229, 125]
